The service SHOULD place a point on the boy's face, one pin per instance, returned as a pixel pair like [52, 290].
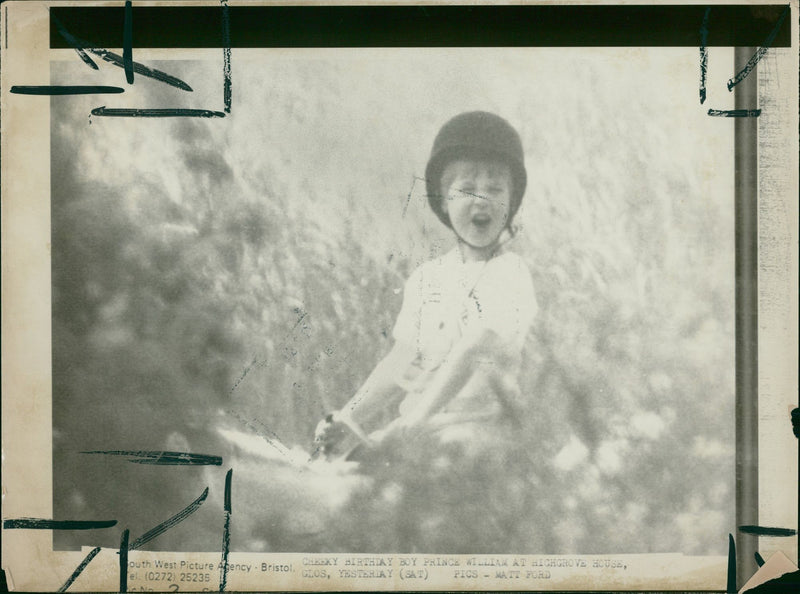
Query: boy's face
[477, 197]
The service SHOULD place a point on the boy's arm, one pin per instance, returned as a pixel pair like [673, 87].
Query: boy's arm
[381, 389]
[484, 352]
[379, 392]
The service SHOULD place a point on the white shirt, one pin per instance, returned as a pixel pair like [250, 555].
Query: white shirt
[446, 299]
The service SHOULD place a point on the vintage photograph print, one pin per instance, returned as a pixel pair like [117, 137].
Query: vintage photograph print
[364, 311]
[221, 286]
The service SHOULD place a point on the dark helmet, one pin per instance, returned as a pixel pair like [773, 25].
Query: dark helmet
[476, 134]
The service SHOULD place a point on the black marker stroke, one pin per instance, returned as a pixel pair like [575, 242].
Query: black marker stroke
[74, 43]
[123, 561]
[731, 586]
[43, 524]
[767, 531]
[162, 458]
[226, 535]
[751, 63]
[226, 56]
[65, 89]
[704, 55]
[167, 524]
[117, 60]
[156, 113]
[141, 69]
[79, 569]
[734, 113]
[127, 42]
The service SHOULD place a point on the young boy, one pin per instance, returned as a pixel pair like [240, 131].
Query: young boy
[458, 338]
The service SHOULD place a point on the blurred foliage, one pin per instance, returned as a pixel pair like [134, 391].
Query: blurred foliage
[201, 284]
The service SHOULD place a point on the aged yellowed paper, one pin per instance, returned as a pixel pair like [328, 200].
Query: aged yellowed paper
[223, 221]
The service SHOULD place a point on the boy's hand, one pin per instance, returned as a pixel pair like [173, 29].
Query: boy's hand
[328, 436]
[335, 436]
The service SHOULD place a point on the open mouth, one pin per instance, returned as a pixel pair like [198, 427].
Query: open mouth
[481, 220]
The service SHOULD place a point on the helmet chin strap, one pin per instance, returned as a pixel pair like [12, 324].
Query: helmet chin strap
[512, 233]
